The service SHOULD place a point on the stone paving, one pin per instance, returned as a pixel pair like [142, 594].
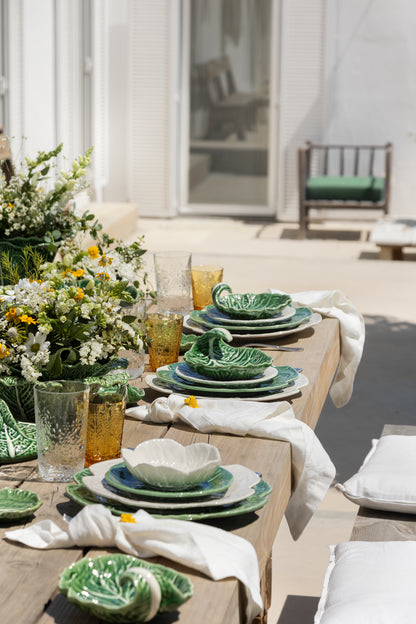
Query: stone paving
[257, 255]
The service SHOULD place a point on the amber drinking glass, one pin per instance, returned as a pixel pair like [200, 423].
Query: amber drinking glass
[204, 277]
[106, 411]
[164, 331]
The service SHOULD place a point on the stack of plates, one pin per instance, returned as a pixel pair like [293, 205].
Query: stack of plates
[289, 321]
[277, 382]
[230, 491]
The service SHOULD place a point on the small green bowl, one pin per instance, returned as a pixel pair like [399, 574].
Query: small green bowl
[213, 357]
[249, 305]
[118, 588]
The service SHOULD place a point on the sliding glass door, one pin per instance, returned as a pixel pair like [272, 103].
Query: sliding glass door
[227, 125]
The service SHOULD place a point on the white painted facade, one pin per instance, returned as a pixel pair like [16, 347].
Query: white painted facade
[344, 73]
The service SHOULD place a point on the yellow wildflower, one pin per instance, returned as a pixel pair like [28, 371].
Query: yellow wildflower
[103, 276]
[127, 517]
[4, 352]
[9, 205]
[79, 295]
[191, 401]
[78, 273]
[66, 272]
[11, 314]
[93, 251]
[27, 319]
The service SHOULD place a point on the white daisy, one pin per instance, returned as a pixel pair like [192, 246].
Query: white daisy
[36, 344]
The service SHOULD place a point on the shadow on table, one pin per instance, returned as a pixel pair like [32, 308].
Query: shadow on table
[300, 609]
[384, 393]
[324, 234]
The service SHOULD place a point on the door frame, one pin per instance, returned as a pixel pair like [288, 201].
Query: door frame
[237, 210]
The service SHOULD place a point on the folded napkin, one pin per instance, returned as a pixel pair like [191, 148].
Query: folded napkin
[335, 304]
[215, 552]
[312, 470]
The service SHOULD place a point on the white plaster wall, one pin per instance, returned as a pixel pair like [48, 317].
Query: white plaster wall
[116, 189]
[372, 85]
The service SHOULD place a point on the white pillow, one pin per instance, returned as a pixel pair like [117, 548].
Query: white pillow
[387, 478]
[369, 583]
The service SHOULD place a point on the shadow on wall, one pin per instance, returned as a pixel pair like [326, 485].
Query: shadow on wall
[384, 393]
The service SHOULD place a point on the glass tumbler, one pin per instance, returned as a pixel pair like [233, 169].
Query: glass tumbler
[61, 414]
[204, 277]
[173, 281]
[107, 407]
[165, 332]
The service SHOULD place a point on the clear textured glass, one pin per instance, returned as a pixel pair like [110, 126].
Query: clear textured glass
[173, 281]
[106, 412]
[61, 413]
[164, 331]
[204, 277]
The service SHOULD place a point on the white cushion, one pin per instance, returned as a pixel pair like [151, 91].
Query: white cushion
[387, 478]
[369, 583]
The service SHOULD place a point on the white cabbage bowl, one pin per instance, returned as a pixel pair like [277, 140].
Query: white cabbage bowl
[166, 464]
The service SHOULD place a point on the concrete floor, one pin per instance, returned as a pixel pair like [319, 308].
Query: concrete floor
[337, 255]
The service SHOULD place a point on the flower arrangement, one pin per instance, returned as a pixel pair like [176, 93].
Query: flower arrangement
[36, 201]
[49, 324]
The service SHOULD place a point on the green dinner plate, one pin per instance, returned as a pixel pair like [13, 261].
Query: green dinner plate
[286, 375]
[119, 477]
[302, 315]
[83, 497]
[220, 317]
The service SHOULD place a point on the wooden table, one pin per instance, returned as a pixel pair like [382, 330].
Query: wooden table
[29, 577]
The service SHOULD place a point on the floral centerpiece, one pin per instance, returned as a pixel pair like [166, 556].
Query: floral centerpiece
[68, 324]
[36, 207]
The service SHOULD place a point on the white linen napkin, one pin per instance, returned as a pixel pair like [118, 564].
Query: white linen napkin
[210, 550]
[312, 469]
[335, 304]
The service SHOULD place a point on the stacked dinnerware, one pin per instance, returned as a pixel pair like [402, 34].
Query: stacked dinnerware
[249, 315]
[214, 368]
[169, 480]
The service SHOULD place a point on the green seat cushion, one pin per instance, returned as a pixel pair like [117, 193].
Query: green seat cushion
[345, 188]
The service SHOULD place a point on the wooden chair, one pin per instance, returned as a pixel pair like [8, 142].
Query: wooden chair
[343, 176]
[227, 107]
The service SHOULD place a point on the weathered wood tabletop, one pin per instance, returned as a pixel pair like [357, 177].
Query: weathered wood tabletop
[29, 577]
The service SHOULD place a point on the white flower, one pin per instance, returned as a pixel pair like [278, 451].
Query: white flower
[36, 344]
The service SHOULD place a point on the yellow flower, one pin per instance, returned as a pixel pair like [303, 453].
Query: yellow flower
[66, 272]
[11, 314]
[4, 352]
[191, 401]
[127, 517]
[105, 260]
[93, 251]
[103, 276]
[79, 295]
[9, 205]
[27, 319]
[78, 273]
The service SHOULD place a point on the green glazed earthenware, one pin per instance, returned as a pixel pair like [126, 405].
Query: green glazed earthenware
[16, 503]
[213, 357]
[121, 588]
[248, 305]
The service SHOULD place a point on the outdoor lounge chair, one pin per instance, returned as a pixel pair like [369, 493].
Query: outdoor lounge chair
[343, 176]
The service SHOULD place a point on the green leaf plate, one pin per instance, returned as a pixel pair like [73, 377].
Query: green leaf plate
[114, 588]
[219, 317]
[186, 373]
[302, 315]
[248, 305]
[81, 495]
[17, 442]
[16, 503]
[118, 476]
[286, 375]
